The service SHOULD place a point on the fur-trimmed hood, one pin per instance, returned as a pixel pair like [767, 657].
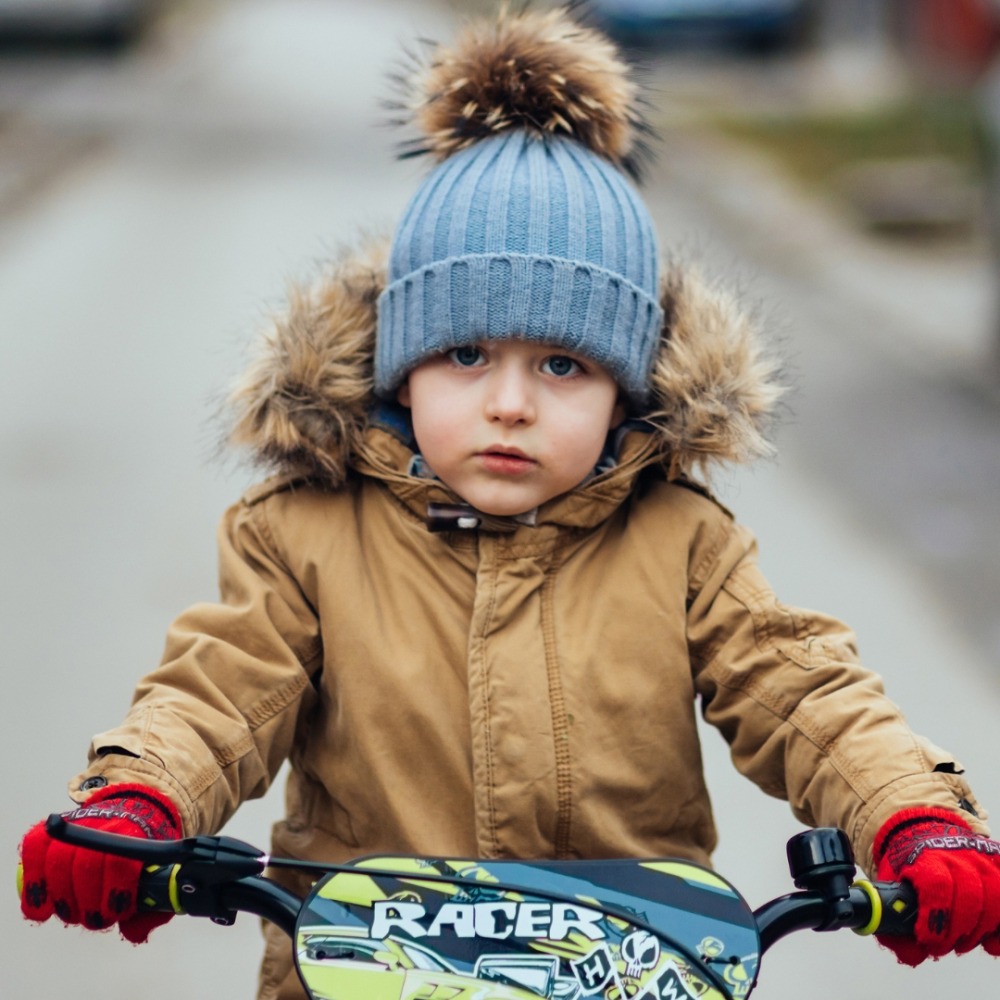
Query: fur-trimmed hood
[303, 405]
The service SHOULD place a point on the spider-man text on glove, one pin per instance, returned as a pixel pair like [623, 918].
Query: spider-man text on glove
[956, 875]
[82, 886]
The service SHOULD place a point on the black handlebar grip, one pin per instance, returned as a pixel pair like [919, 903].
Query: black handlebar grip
[899, 908]
[158, 889]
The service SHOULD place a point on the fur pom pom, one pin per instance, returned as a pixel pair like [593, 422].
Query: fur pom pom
[537, 70]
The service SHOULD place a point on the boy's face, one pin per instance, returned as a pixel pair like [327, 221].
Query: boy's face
[510, 424]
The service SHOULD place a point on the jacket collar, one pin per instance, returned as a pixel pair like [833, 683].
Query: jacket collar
[305, 404]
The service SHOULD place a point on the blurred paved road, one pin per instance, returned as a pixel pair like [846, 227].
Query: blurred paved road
[176, 193]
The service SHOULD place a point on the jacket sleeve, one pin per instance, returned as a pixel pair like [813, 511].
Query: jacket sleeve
[211, 726]
[803, 718]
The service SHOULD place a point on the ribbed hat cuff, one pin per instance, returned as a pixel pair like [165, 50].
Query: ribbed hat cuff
[462, 300]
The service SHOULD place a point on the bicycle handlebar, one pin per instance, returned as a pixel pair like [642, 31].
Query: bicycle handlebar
[874, 907]
[218, 876]
[214, 877]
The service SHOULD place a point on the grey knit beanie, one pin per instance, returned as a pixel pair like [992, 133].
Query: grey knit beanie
[528, 228]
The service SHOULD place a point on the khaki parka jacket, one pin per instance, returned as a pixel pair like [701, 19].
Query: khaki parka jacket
[509, 689]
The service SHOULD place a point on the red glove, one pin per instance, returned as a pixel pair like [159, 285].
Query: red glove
[82, 886]
[956, 876]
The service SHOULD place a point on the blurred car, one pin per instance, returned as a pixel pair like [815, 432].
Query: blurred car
[752, 25]
[84, 24]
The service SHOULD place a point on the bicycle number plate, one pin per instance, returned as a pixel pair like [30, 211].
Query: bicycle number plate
[434, 929]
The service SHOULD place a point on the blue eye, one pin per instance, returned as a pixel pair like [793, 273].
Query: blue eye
[560, 365]
[467, 356]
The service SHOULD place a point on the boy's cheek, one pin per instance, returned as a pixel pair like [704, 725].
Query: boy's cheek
[618, 414]
[403, 394]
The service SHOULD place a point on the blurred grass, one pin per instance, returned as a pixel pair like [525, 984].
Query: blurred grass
[817, 147]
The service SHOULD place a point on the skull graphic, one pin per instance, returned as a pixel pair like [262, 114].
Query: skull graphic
[641, 950]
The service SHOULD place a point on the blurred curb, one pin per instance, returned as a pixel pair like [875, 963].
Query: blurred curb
[32, 157]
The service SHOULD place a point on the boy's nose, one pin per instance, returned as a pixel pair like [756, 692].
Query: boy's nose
[509, 400]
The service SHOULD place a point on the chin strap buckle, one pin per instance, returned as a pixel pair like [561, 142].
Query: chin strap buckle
[465, 517]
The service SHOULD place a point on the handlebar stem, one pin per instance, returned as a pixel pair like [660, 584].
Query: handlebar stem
[264, 898]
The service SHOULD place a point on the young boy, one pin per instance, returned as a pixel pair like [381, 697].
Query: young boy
[483, 569]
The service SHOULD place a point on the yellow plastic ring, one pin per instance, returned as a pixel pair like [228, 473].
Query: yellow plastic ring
[876, 901]
[172, 892]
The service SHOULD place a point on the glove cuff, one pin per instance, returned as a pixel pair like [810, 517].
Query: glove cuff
[938, 822]
[151, 811]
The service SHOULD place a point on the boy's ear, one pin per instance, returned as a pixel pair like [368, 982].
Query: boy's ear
[403, 394]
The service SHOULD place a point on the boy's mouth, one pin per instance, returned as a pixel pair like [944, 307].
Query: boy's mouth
[507, 461]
